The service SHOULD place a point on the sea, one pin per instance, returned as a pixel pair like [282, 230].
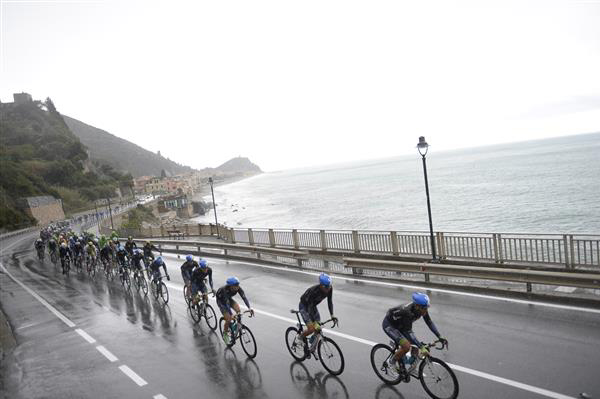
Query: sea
[543, 186]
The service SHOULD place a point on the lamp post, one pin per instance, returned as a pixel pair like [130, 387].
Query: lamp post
[210, 180]
[423, 148]
[112, 226]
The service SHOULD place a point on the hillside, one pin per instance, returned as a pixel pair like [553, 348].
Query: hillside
[238, 165]
[39, 155]
[122, 154]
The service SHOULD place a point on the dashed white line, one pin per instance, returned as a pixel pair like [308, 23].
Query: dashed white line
[132, 374]
[107, 354]
[159, 396]
[85, 336]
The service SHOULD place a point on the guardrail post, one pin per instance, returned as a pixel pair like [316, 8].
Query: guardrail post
[250, 237]
[295, 239]
[528, 287]
[177, 249]
[232, 235]
[271, 238]
[355, 242]
[162, 230]
[323, 240]
[495, 242]
[199, 250]
[395, 248]
[187, 230]
[500, 252]
[439, 238]
[572, 246]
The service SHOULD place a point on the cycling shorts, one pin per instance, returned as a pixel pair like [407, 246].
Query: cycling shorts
[396, 335]
[225, 306]
[310, 314]
[187, 275]
[198, 287]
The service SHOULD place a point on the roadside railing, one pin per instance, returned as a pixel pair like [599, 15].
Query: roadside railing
[562, 250]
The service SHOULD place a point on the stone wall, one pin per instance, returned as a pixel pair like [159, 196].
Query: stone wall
[45, 214]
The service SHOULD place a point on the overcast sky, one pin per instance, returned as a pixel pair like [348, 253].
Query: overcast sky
[299, 83]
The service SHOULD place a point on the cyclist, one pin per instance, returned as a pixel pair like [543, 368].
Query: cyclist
[155, 268]
[136, 260]
[186, 269]
[105, 253]
[308, 307]
[225, 302]
[148, 248]
[122, 258]
[52, 246]
[397, 324]
[114, 236]
[198, 284]
[77, 249]
[39, 246]
[90, 249]
[130, 245]
[65, 253]
[102, 241]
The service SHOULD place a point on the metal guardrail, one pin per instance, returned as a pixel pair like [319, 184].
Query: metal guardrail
[567, 250]
[18, 232]
[571, 279]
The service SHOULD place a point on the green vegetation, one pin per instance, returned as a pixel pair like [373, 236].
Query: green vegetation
[39, 155]
[135, 218]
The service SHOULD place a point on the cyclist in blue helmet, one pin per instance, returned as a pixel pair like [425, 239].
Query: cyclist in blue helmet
[186, 270]
[397, 324]
[225, 302]
[308, 306]
[198, 278]
[136, 260]
[155, 268]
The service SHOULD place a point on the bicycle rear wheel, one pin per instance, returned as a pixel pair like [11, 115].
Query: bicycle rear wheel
[126, 281]
[331, 356]
[195, 312]
[294, 343]
[221, 327]
[143, 284]
[164, 292]
[154, 289]
[248, 342]
[210, 316]
[186, 294]
[379, 357]
[438, 379]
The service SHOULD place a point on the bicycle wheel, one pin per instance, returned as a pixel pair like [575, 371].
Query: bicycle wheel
[379, 357]
[294, 343]
[136, 282]
[221, 327]
[331, 356]
[126, 281]
[186, 294]
[248, 342]
[164, 292]
[143, 285]
[438, 379]
[210, 316]
[154, 289]
[195, 312]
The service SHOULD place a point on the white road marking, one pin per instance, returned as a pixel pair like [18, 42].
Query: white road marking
[159, 396]
[85, 335]
[417, 287]
[133, 375]
[107, 353]
[505, 381]
[40, 299]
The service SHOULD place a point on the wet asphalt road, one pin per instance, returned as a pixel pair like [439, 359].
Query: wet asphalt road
[549, 348]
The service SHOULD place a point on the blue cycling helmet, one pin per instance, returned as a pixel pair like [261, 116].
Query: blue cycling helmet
[137, 251]
[159, 260]
[189, 258]
[233, 281]
[203, 263]
[325, 280]
[420, 299]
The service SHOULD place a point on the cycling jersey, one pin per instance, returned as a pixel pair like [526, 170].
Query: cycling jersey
[136, 260]
[105, 252]
[199, 274]
[77, 249]
[314, 295]
[65, 252]
[225, 297]
[129, 246]
[148, 248]
[52, 245]
[121, 256]
[398, 322]
[187, 268]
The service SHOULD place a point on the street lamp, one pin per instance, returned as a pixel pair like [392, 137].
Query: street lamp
[210, 180]
[423, 147]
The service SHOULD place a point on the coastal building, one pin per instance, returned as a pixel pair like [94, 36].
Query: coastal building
[45, 209]
[178, 203]
[22, 98]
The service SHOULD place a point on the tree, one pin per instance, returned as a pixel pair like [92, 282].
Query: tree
[50, 106]
[163, 174]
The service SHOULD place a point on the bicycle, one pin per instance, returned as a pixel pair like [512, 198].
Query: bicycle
[327, 351]
[437, 378]
[67, 265]
[91, 266]
[79, 263]
[237, 330]
[124, 277]
[140, 281]
[159, 289]
[41, 255]
[203, 309]
[109, 270]
[53, 257]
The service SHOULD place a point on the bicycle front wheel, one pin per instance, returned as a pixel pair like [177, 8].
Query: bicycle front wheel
[194, 312]
[143, 284]
[248, 342]
[222, 327]
[164, 292]
[294, 343]
[438, 379]
[379, 361]
[210, 316]
[331, 356]
[186, 294]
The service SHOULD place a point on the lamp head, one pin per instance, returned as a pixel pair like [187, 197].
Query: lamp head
[210, 180]
[422, 146]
